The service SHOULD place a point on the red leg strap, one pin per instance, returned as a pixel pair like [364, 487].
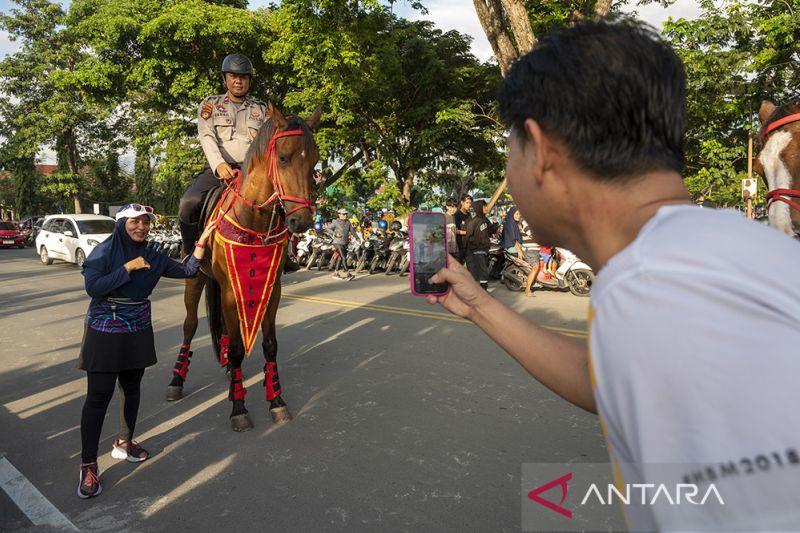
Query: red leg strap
[271, 381]
[182, 364]
[223, 351]
[237, 390]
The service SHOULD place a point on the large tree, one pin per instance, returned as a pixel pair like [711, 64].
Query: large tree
[57, 95]
[400, 95]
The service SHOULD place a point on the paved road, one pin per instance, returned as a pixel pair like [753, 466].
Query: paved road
[406, 418]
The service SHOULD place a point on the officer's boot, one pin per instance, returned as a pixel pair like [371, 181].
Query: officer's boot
[189, 236]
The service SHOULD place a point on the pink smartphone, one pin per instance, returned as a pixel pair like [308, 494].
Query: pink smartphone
[428, 245]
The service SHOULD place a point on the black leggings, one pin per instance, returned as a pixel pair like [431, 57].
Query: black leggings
[341, 260]
[98, 395]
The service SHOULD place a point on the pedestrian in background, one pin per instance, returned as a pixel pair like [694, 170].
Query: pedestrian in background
[512, 243]
[450, 222]
[462, 216]
[478, 232]
[118, 344]
[342, 231]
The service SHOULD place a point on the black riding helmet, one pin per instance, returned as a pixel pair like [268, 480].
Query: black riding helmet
[237, 64]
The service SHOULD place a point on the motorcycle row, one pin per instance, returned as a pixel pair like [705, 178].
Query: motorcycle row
[387, 251]
[380, 251]
[165, 241]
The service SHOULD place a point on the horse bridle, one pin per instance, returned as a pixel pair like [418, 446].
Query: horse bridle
[272, 170]
[780, 195]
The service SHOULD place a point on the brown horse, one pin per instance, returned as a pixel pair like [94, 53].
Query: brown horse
[273, 195]
[778, 163]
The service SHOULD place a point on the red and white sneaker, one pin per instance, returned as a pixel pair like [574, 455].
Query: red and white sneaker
[89, 485]
[127, 449]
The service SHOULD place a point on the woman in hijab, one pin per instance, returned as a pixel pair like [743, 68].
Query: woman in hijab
[118, 345]
[512, 243]
[479, 230]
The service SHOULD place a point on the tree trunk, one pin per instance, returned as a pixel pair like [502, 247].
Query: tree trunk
[71, 156]
[601, 9]
[520, 26]
[490, 13]
[408, 184]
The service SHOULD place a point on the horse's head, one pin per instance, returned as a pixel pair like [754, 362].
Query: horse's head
[282, 161]
[778, 161]
[295, 157]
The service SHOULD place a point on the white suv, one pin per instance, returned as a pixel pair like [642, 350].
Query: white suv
[72, 238]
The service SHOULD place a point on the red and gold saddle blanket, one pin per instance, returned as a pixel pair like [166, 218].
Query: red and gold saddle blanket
[252, 272]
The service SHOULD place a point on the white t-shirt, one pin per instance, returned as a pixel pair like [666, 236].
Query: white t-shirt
[695, 353]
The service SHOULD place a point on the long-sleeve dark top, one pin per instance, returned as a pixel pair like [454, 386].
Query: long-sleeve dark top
[104, 316]
[478, 232]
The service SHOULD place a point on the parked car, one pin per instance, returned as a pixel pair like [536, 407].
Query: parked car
[72, 238]
[11, 236]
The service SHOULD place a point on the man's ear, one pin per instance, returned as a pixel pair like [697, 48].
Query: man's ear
[537, 140]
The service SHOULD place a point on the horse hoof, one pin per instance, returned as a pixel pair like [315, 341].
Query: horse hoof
[174, 393]
[280, 415]
[241, 423]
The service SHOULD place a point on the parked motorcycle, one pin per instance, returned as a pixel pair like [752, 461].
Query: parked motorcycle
[398, 249]
[572, 273]
[368, 248]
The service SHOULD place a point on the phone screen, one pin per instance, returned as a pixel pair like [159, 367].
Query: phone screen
[428, 251]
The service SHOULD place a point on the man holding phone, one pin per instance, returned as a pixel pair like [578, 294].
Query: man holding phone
[689, 363]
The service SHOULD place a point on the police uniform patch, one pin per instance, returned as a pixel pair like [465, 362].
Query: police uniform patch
[206, 110]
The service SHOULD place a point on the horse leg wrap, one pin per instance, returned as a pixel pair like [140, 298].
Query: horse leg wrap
[271, 381]
[237, 390]
[181, 367]
[223, 351]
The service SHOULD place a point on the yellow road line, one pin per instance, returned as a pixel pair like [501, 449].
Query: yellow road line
[410, 312]
[578, 333]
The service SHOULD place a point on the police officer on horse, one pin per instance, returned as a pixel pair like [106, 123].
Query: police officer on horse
[226, 126]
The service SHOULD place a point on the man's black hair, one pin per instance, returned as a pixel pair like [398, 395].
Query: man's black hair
[465, 197]
[451, 202]
[613, 93]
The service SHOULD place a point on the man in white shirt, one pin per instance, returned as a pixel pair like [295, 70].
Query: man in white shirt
[694, 352]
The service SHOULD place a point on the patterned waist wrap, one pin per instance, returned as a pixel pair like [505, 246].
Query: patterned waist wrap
[119, 315]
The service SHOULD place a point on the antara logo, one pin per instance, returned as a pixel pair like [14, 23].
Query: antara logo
[560, 482]
[649, 493]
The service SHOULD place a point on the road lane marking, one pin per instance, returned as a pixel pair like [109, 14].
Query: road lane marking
[30, 501]
[577, 333]
[411, 312]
